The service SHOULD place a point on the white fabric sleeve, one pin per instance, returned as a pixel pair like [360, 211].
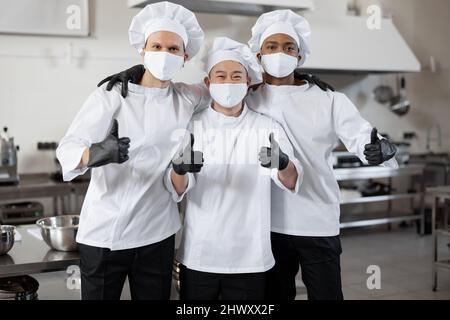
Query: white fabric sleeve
[90, 125]
[169, 185]
[286, 147]
[391, 163]
[199, 95]
[353, 130]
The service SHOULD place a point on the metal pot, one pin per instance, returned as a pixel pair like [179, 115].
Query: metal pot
[60, 232]
[6, 238]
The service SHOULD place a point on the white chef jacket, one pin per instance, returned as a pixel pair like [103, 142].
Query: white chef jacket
[127, 205]
[227, 220]
[313, 120]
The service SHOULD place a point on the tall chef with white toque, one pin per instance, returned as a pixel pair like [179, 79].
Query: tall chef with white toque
[305, 225]
[128, 219]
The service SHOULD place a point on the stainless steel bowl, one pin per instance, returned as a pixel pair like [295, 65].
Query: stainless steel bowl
[6, 238]
[60, 232]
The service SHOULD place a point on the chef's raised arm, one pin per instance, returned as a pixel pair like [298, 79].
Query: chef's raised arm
[354, 131]
[179, 177]
[91, 125]
[178, 185]
[290, 178]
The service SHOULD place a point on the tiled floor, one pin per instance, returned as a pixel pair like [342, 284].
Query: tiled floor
[404, 259]
[403, 256]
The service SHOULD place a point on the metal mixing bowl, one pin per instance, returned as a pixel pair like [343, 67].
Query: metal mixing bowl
[6, 238]
[60, 232]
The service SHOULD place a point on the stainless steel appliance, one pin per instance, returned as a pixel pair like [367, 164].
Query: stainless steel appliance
[345, 159]
[437, 168]
[8, 159]
[21, 212]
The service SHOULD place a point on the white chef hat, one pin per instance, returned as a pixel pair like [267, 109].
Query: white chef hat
[166, 16]
[282, 21]
[224, 48]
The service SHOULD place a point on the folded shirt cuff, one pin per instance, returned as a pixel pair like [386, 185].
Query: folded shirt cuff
[70, 160]
[168, 182]
[298, 166]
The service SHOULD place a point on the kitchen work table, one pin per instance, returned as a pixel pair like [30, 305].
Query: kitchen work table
[379, 172]
[41, 185]
[439, 194]
[31, 256]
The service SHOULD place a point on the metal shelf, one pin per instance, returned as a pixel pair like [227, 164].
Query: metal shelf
[345, 174]
[380, 198]
[443, 232]
[380, 172]
[373, 222]
[439, 194]
[443, 264]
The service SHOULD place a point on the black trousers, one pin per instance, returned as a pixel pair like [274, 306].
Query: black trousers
[320, 267]
[149, 271]
[197, 285]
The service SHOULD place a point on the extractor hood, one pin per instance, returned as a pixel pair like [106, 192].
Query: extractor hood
[346, 44]
[339, 42]
[240, 7]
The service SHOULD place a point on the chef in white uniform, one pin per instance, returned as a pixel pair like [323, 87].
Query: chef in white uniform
[305, 225]
[128, 219]
[225, 249]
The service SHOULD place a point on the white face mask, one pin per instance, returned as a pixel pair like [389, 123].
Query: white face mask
[163, 65]
[228, 95]
[279, 64]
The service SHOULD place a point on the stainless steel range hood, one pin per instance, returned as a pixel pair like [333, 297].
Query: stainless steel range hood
[239, 7]
[346, 44]
[340, 42]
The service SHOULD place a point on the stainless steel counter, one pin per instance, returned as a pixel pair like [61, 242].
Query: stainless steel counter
[31, 255]
[363, 173]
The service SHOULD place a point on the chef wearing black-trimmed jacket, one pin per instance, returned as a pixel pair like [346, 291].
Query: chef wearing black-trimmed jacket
[305, 226]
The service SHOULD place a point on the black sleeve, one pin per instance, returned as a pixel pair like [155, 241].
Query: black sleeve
[313, 79]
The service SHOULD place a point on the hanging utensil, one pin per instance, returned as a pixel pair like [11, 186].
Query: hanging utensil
[400, 105]
[383, 94]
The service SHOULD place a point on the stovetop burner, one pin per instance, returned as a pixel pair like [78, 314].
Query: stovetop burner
[19, 288]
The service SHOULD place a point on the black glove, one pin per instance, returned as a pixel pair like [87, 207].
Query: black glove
[134, 74]
[378, 151]
[189, 160]
[111, 150]
[312, 79]
[273, 157]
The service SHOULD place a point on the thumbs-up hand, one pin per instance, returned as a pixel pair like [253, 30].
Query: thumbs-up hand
[273, 157]
[374, 136]
[111, 150]
[189, 160]
[378, 151]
